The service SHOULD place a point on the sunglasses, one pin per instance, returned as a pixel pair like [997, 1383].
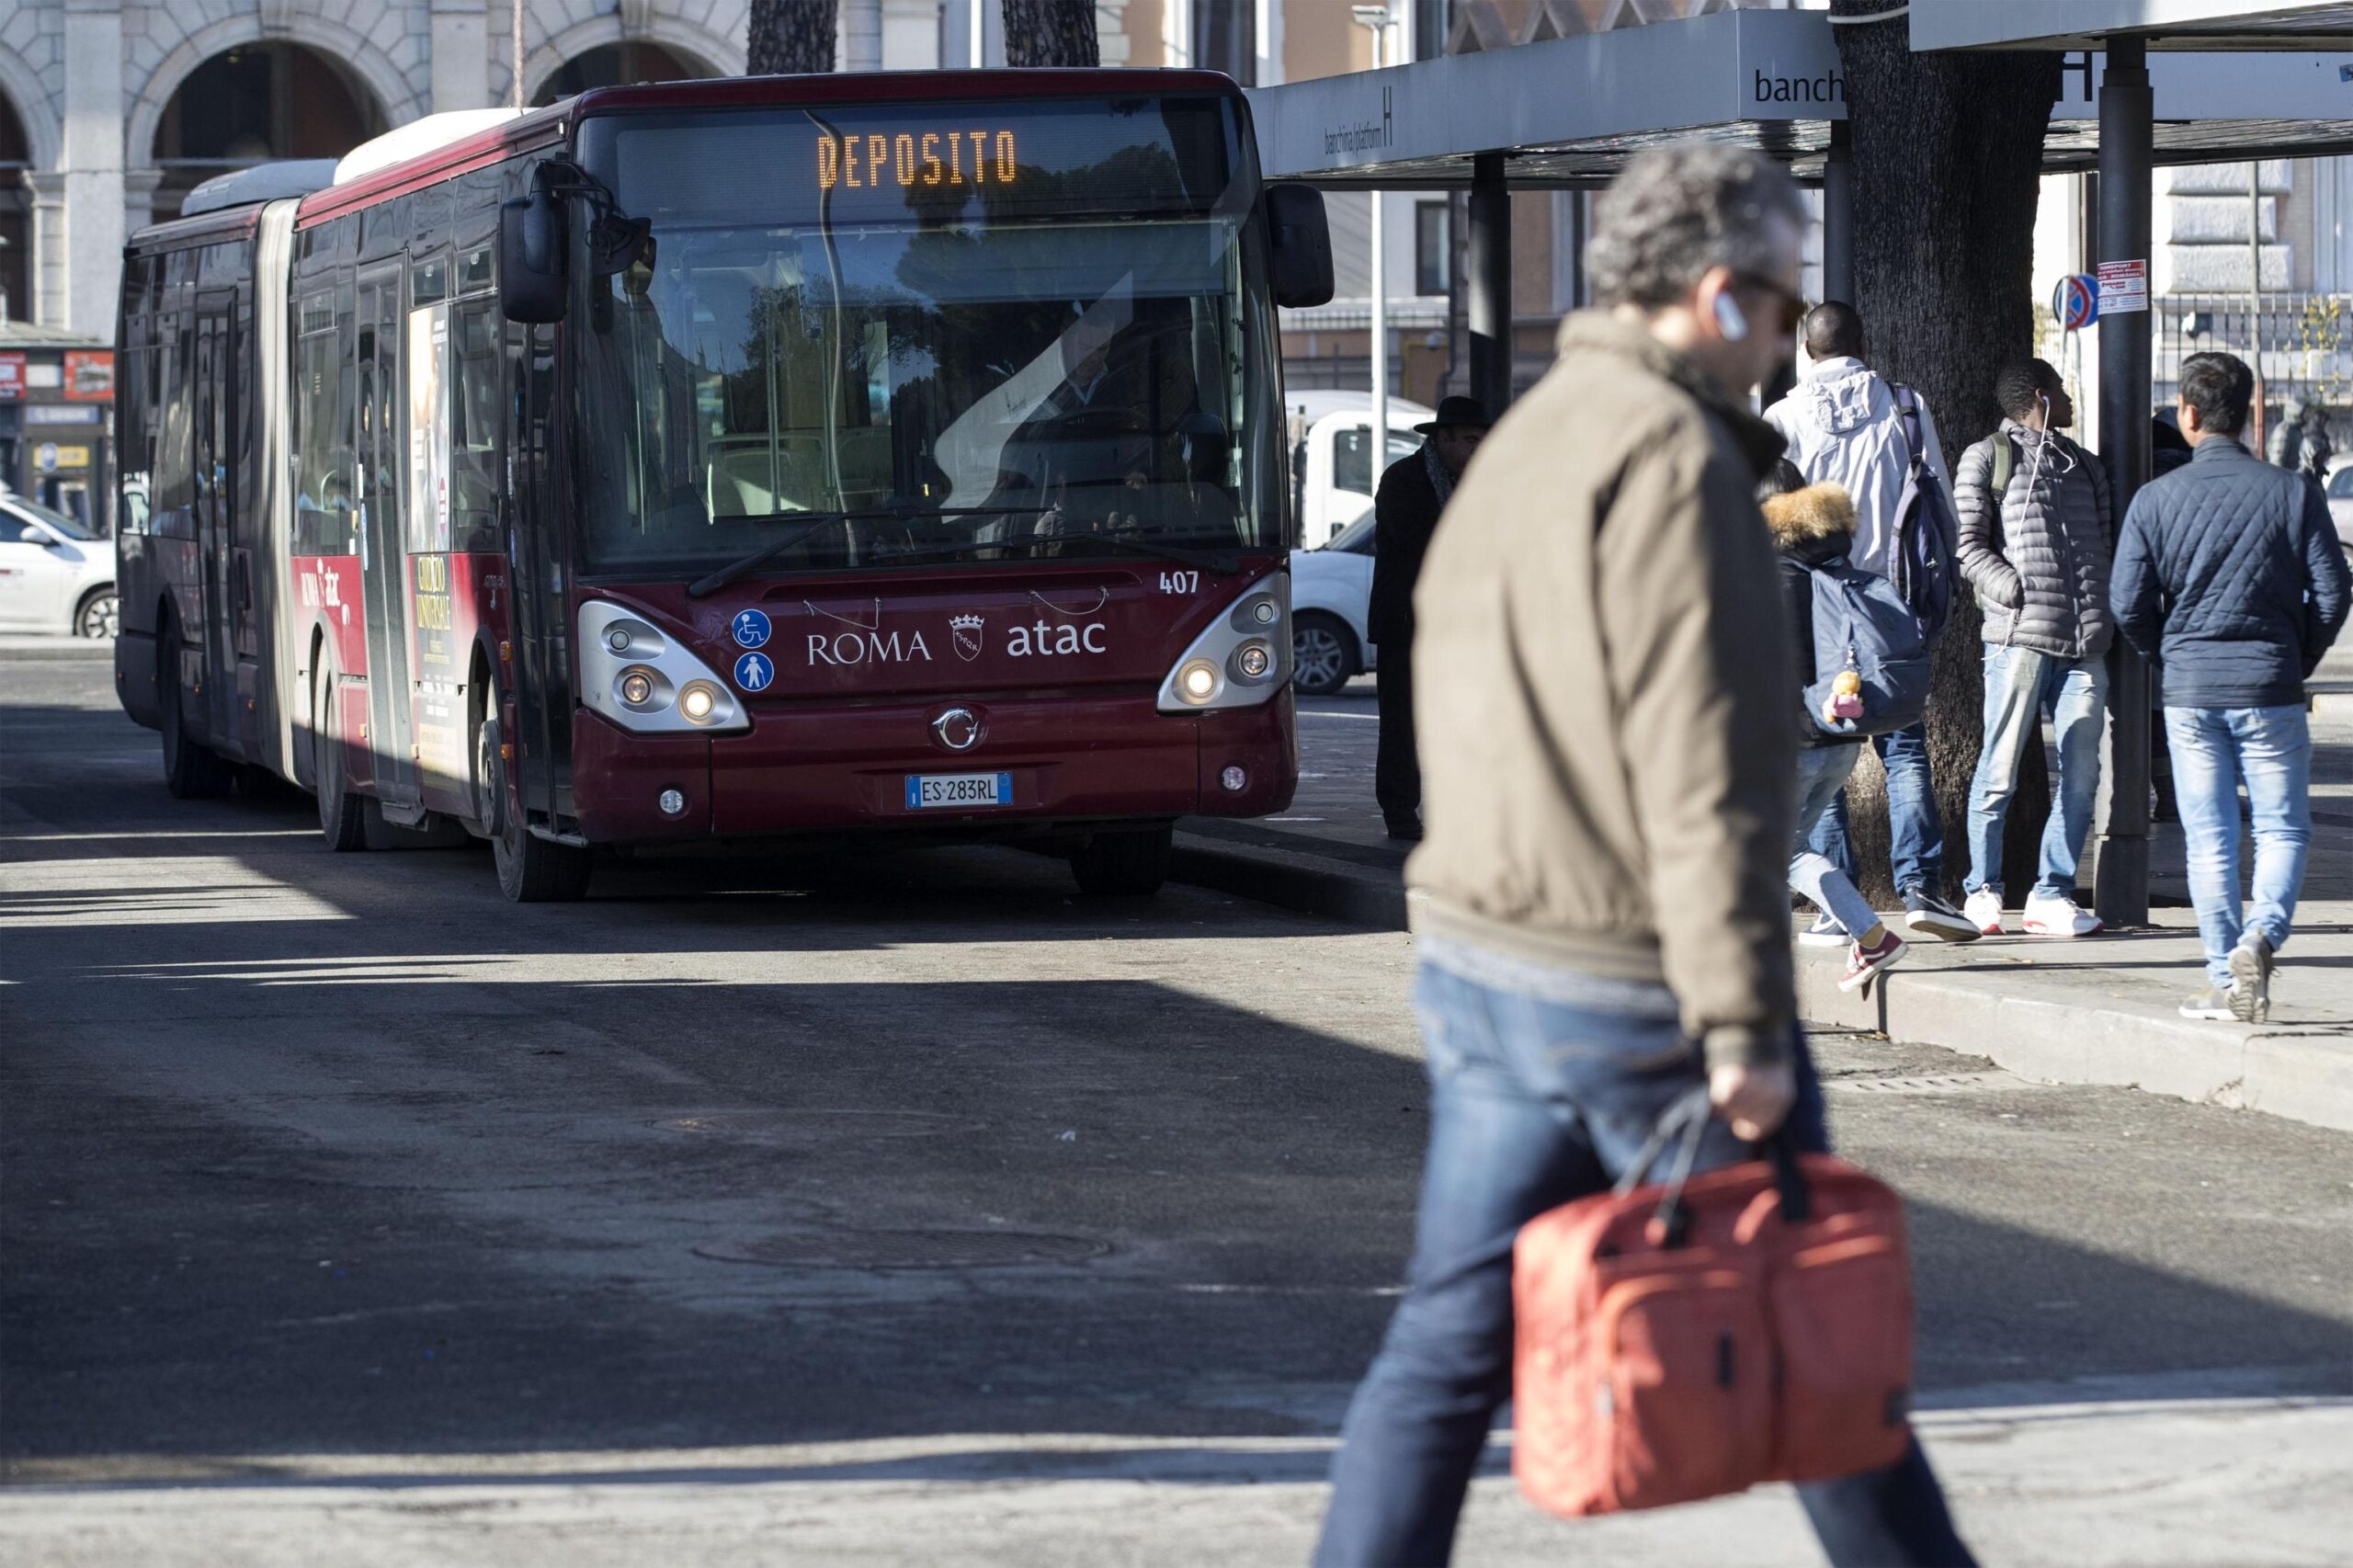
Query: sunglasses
[1793, 305]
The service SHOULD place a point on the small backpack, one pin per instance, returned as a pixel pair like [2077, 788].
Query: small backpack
[1862, 624]
[1927, 531]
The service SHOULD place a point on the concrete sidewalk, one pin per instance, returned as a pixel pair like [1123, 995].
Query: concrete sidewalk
[2096, 1011]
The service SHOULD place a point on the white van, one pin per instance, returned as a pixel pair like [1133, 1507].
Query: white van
[1333, 473]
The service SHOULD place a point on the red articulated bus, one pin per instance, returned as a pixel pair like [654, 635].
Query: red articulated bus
[726, 459]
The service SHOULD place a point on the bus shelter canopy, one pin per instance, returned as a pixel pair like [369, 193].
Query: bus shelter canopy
[2195, 24]
[1568, 113]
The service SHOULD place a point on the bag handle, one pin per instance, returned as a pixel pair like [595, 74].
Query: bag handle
[1907, 408]
[1687, 1117]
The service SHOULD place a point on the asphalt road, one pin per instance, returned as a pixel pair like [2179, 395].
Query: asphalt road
[921, 1210]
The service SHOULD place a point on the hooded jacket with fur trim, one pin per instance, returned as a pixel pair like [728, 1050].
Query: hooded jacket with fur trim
[1810, 527]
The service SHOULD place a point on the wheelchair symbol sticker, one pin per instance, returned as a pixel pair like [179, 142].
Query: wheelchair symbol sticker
[754, 673]
[751, 628]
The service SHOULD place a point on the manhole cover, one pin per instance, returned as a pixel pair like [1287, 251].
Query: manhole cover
[1928, 1083]
[909, 1249]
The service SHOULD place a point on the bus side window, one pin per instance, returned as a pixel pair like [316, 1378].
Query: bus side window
[322, 499]
[175, 495]
[474, 425]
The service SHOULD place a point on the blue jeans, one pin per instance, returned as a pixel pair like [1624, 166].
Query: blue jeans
[1915, 844]
[1543, 1085]
[2021, 685]
[1822, 777]
[2213, 750]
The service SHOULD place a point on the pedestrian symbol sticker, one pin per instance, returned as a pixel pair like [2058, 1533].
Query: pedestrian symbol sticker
[753, 672]
[751, 628]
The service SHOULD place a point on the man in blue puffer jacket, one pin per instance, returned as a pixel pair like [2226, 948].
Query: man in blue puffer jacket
[2230, 577]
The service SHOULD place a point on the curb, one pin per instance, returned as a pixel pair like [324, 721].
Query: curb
[2298, 1072]
[2295, 1072]
[1306, 882]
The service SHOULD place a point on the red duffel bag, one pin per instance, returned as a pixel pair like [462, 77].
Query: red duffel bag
[1694, 1338]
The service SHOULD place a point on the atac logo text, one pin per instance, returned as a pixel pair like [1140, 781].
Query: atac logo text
[1026, 642]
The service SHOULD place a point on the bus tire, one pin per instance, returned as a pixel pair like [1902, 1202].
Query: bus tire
[343, 816]
[1129, 861]
[531, 869]
[191, 772]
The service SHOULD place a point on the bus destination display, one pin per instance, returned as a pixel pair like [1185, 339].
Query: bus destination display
[910, 160]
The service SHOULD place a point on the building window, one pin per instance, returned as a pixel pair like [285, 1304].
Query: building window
[1225, 37]
[1433, 248]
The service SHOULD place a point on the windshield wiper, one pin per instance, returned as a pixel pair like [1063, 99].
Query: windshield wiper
[1222, 566]
[704, 586]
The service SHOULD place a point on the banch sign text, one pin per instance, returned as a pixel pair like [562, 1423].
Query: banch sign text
[1829, 87]
[1364, 135]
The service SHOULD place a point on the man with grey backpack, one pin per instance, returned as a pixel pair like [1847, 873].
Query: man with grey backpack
[2035, 528]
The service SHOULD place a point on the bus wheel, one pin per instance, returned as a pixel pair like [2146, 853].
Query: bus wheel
[190, 771]
[1132, 860]
[530, 869]
[343, 816]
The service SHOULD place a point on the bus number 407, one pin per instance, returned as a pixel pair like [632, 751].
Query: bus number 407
[1180, 582]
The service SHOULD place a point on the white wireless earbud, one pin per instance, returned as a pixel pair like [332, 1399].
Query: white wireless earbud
[1729, 319]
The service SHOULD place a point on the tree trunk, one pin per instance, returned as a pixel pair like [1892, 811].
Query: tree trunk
[790, 38]
[1948, 152]
[1051, 32]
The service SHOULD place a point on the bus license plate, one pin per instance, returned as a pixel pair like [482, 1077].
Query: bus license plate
[958, 789]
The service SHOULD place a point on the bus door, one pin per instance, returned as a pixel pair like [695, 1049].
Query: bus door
[383, 563]
[216, 502]
[542, 672]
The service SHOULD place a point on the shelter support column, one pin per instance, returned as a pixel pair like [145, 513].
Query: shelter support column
[1490, 284]
[2126, 132]
[1839, 216]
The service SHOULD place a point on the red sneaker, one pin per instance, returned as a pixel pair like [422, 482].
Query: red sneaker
[1863, 962]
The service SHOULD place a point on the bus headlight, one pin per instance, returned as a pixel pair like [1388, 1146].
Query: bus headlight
[1196, 682]
[1240, 659]
[641, 677]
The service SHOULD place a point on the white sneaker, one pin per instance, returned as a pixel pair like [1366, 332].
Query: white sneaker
[2051, 915]
[1984, 911]
[1825, 933]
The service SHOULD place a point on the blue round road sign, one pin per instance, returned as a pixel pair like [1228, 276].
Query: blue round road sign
[2077, 302]
[754, 673]
[751, 628]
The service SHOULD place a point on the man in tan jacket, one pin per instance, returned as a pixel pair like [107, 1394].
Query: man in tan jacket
[1600, 904]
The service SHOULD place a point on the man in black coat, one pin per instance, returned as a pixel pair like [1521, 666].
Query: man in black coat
[1406, 512]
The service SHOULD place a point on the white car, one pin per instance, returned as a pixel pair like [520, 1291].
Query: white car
[1331, 592]
[55, 574]
[2340, 503]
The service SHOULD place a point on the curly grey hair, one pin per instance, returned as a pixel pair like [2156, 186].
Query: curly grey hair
[1674, 212]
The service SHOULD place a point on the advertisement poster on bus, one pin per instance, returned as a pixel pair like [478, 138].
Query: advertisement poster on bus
[437, 657]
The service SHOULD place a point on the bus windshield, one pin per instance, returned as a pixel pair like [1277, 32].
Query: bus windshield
[969, 333]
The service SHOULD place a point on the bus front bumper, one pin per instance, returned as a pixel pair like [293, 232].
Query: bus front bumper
[1071, 761]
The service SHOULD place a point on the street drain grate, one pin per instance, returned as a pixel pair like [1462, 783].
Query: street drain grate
[1928, 1084]
[909, 1249]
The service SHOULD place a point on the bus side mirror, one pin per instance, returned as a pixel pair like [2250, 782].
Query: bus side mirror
[1300, 245]
[531, 260]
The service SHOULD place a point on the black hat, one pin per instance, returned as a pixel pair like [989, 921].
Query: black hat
[1457, 412]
